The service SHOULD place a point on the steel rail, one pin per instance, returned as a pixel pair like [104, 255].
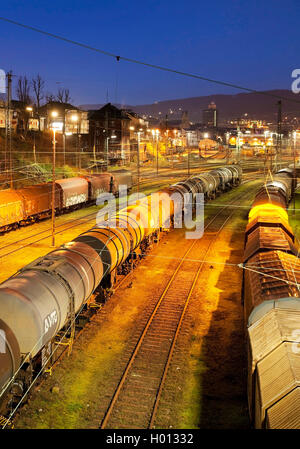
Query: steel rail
[141, 339]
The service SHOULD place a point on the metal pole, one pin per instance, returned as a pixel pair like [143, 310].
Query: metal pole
[64, 147]
[278, 146]
[188, 161]
[34, 153]
[94, 149]
[294, 157]
[238, 141]
[8, 128]
[107, 153]
[156, 155]
[138, 162]
[78, 146]
[172, 156]
[53, 190]
[271, 161]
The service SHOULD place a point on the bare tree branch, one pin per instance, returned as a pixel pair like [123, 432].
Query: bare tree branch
[23, 95]
[63, 96]
[23, 90]
[50, 97]
[38, 85]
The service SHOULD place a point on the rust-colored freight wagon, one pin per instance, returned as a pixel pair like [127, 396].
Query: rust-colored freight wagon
[38, 200]
[11, 209]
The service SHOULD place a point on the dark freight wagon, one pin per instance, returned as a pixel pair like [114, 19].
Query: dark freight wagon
[73, 191]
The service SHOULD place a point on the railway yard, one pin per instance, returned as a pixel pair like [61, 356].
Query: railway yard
[204, 379]
[149, 222]
[167, 348]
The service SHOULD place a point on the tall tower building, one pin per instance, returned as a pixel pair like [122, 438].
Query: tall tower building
[185, 123]
[210, 116]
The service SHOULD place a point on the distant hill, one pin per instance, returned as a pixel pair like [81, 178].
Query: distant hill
[229, 106]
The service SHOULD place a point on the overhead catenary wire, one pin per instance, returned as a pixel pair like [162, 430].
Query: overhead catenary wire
[144, 63]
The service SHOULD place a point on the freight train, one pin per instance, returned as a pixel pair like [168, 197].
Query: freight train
[29, 204]
[272, 307]
[39, 304]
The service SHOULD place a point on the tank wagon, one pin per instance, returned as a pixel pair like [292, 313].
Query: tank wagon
[29, 204]
[42, 300]
[272, 307]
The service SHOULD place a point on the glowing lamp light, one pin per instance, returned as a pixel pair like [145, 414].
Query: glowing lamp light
[74, 118]
[57, 126]
[54, 114]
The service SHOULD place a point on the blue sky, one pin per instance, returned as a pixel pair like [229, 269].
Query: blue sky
[251, 43]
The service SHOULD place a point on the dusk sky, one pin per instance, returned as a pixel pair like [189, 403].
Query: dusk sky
[251, 43]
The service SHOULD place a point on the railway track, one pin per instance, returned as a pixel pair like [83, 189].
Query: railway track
[186, 264]
[136, 399]
[63, 227]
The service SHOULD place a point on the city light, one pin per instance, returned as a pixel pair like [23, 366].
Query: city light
[57, 126]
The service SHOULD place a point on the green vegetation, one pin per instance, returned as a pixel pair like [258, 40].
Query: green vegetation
[294, 215]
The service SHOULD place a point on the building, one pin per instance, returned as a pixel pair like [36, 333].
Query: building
[3, 115]
[113, 133]
[109, 133]
[66, 117]
[210, 116]
[193, 135]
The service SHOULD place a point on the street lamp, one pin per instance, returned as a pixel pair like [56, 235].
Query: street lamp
[30, 109]
[53, 189]
[157, 134]
[53, 186]
[113, 136]
[55, 126]
[138, 158]
[74, 119]
[174, 142]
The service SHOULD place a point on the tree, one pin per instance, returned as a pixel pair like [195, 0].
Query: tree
[23, 94]
[50, 98]
[38, 85]
[63, 96]
[23, 90]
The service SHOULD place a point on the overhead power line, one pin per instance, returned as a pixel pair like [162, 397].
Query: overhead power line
[146, 64]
